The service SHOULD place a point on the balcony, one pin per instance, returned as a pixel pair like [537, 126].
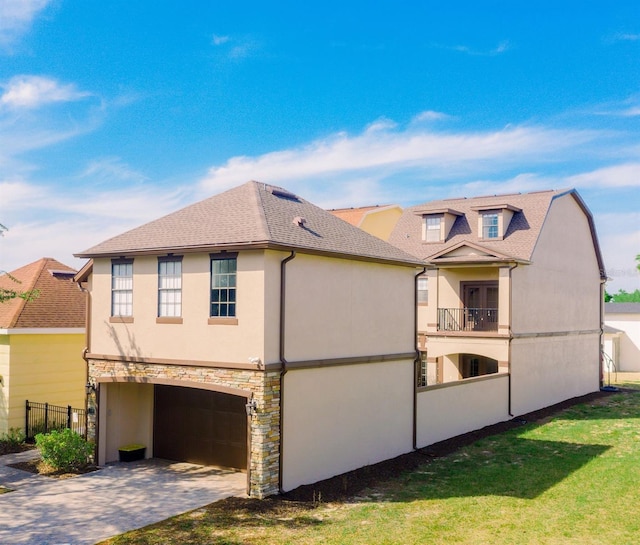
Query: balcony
[467, 319]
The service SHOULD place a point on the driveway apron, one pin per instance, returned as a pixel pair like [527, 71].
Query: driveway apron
[89, 508]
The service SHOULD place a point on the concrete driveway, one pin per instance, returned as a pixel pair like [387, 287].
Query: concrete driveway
[89, 508]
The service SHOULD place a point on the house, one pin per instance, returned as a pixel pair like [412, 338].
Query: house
[509, 306]
[256, 331]
[378, 220]
[41, 341]
[622, 336]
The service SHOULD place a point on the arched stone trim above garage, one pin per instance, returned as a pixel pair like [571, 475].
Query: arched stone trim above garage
[257, 385]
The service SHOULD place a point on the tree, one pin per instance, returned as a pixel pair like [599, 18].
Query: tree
[6, 294]
[622, 297]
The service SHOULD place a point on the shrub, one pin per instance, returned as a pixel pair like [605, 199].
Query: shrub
[64, 450]
[12, 441]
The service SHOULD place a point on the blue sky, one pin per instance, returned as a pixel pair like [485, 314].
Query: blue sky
[115, 113]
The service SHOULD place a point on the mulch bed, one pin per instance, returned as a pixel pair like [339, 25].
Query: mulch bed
[12, 448]
[40, 468]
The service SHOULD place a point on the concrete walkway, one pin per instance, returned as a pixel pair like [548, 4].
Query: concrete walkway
[89, 508]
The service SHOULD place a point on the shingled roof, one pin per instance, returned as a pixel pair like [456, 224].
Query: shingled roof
[253, 215]
[59, 304]
[518, 243]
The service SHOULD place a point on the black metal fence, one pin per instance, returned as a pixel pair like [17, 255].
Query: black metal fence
[43, 418]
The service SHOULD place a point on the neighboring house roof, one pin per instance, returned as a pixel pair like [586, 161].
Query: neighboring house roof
[622, 308]
[611, 330]
[253, 215]
[354, 216]
[519, 241]
[59, 304]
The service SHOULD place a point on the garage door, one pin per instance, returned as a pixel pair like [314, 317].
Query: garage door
[200, 426]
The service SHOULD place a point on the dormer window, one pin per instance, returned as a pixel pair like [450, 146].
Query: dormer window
[436, 224]
[490, 225]
[494, 220]
[433, 228]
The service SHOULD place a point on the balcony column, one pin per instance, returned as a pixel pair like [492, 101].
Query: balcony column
[432, 307]
[504, 301]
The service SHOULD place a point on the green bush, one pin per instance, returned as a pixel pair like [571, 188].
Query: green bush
[12, 441]
[64, 450]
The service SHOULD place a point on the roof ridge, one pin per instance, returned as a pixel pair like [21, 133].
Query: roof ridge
[264, 224]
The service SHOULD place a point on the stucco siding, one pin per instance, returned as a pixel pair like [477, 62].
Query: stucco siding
[127, 417]
[560, 289]
[447, 411]
[194, 338]
[629, 347]
[380, 223]
[342, 418]
[339, 308]
[548, 370]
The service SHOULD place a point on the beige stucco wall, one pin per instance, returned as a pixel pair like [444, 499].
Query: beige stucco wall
[193, 339]
[126, 417]
[548, 370]
[496, 348]
[445, 411]
[629, 344]
[43, 368]
[380, 223]
[560, 290]
[341, 418]
[338, 308]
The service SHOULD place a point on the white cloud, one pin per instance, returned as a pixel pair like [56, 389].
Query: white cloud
[26, 91]
[381, 149]
[112, 168]
[623, 175]
[619, 236]
[430, 115]
[16, 17]
[626, 37]
[219, 40]
[502, 47]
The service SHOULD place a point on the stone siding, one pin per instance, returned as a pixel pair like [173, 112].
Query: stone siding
[265, 422]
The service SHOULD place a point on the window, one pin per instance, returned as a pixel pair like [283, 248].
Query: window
[223, 286]
[433, 229]
[423, 290]
[490, 225]
[170, 287]
[422, 373]
[122, 288]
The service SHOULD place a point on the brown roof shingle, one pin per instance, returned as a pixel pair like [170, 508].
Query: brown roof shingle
[59, 304]
[251, 215]
[519, 240]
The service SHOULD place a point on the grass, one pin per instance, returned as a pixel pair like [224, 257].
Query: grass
[572, 480]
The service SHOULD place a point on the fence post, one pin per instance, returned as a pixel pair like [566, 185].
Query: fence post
[26, 421]
[46, 418]
[69, 416]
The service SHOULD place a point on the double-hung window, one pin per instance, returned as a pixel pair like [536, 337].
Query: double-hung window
[433, 229]
[423, 290]
[490, 225]
[122, 287]
[170, 286]
[223, 285]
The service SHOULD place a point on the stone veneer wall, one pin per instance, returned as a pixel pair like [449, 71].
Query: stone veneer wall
[265, 423]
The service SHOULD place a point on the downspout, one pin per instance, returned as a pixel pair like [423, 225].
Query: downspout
[600, 365]
[416, 361]
[283, 361]
[85, 351]
[510, 339]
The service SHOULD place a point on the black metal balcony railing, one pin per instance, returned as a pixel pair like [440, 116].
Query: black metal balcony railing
[467, 319]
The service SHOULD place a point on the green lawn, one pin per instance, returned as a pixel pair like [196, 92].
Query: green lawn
[574, 479]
